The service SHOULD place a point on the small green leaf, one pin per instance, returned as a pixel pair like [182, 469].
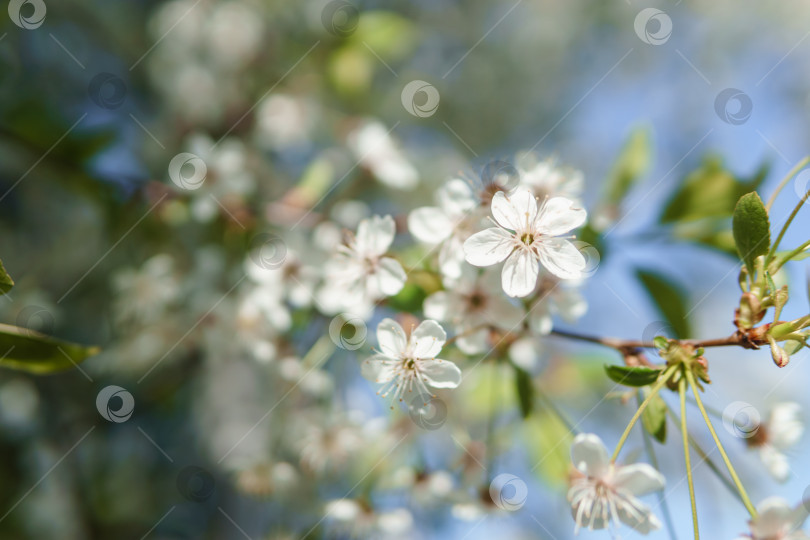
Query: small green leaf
[661, 343]
[654, 419]
[6, 283]
[632, 376]
[525, 391]
[30, 351]
[631, 165]
[752, 230]
[668, 299]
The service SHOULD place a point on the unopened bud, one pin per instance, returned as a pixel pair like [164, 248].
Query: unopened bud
[780, 356]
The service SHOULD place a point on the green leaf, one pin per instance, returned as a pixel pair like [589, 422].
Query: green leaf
[30, 351]
[525, 391]
[654, 419]
[6, 283]
[632, 163]
[409, 299]
[632, 376]
[709, 192]
[752, 230]
[668, 299]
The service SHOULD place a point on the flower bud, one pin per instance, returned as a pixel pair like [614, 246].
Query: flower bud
[780, 356]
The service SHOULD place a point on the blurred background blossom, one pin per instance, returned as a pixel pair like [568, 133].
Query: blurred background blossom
[298, 112]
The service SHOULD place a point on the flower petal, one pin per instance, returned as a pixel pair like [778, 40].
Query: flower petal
[374, 235]
[561, 258]
[519, 275]
[429, 224]
[473, 343]
[488, 247]
[638, 479]
[774, 514]
[639, 517]
[516, 211]
[456, 198]
[428, 339]
[390, 276]
[589, 455]
[379, 369]
[437, 306]
[785, 427]
[560, 215]
[440, 373]
[775, 461]
[391, 338]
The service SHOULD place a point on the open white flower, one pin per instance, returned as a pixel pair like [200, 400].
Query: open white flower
[782, 430]
[408, 363]
[473, 307]
[601, 490]
[527, 235]
[776, 520]
[377, 151]
[547, 179]
[358, 274]
[450, 223]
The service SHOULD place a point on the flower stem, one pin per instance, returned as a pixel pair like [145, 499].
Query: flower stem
[793, 172]
[662, 380]
[662, 499]
[704, 457]
[685, 435]
[743, 494]
[775, 246]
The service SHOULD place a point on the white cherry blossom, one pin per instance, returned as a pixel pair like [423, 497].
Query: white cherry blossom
[776, 520]
[782, 430]
[408, 363]
[547, 179]
[448, 224]
[526, 235]
[358, 275]
[376, 150]
[602, 491]
[473, 304]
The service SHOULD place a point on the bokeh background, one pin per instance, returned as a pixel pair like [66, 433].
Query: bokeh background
[98, 97]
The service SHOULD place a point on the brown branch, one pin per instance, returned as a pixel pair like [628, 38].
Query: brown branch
[625, 346]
